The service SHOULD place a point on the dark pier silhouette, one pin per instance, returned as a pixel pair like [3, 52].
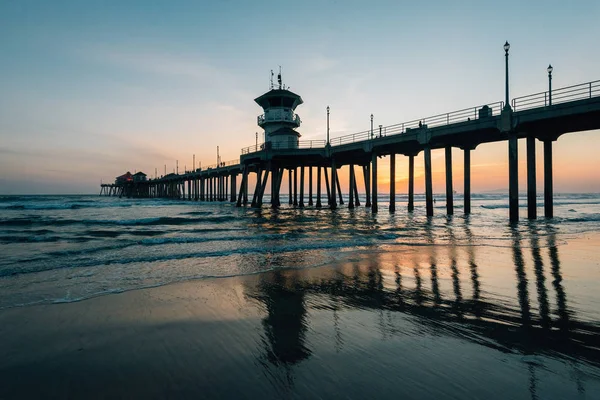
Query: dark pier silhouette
[541, 116]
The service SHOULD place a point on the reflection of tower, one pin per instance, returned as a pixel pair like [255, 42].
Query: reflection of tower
[286, 322]
[279, 119]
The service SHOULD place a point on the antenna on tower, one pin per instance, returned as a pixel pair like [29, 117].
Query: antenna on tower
[279, 78]
[271, 87]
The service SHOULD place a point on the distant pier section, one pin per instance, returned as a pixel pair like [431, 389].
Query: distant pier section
[543, 116]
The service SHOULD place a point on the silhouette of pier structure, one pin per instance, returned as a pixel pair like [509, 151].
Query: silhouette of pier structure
[543, 116]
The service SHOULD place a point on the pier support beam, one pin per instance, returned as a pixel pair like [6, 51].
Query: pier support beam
[392, 183]
[263, 187]
[513, 177]
[548, 189]
[233, 187]
[356, 199]
[310, 186]
[274, 186]
[295, 186]
[339, 188]
[366, 174]
[280, 172]
[411, 183]
[242, 186]
[449, 188]
[374, 208]
[467, 179]
[257, 188]
[428, 182]
[333, 200]
[290, 191]
[318, 205]
[302, 187]
[531, 176]
[246, 189]
[351, 191]
[327, 185]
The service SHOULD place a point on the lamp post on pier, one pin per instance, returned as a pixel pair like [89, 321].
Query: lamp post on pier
[550, 84]
[371, 126]
[506, 48]
[327, 124]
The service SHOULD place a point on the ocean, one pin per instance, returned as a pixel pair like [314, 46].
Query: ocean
[505, 302]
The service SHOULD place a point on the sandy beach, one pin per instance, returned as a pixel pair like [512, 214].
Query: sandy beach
[437, 321]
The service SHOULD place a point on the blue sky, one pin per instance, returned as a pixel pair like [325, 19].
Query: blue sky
[90, 89]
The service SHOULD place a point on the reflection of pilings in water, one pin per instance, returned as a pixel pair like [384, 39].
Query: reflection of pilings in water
[336, 327]
[435, 286]
[419, 285]
[453, 267]
[400, 296]
[473, 268]
[561, 297]
[532, 381]
[539, 277]
[521, 277]
[337, 289]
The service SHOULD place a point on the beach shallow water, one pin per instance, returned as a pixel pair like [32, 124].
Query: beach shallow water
[154, 299]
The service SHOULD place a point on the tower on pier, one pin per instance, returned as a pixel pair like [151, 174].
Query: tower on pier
[279, 120]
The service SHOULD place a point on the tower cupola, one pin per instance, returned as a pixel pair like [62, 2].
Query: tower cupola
[279, 120]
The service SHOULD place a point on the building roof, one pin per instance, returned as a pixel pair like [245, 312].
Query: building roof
[139, 174]
[125, 176]
[292, 98]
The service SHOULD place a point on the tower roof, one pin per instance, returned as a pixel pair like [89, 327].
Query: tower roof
[279, 98]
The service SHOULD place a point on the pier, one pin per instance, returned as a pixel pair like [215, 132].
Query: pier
[543, 116]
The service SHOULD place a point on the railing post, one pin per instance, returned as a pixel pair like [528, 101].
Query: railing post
[590, 90]
[448, 119]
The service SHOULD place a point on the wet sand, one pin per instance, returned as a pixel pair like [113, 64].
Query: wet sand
[520, 321]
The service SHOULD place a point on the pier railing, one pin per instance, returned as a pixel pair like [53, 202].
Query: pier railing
[561, 95]
[464, 115]
[222, 164]
[302, 144]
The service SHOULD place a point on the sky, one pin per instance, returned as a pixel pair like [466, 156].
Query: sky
[89, 90]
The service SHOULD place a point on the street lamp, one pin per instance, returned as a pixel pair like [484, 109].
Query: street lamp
[327, 124]
[506, 48]
[371, 126]
[550, 84]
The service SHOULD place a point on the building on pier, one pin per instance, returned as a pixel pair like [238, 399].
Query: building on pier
[279, 119]
[126, 177]
[140, 177]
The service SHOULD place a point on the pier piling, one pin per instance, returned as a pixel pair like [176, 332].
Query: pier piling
[411, 183]
[428, 182]
[548, 186]
[449, 188]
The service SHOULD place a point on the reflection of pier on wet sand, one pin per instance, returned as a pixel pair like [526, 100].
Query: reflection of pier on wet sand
[504, 325]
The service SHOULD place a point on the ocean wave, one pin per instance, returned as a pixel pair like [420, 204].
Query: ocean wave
[28, 239]
[279, 250]
[39, 221]
[75, 206]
